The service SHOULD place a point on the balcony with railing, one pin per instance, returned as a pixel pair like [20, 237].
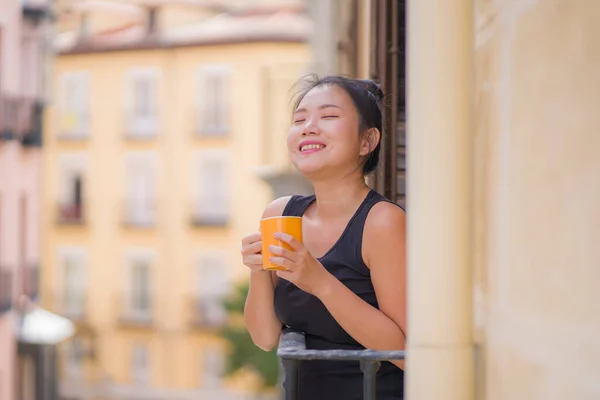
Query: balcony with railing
[71, 303]
[139, 213]
[140, 127]
[209, 216]
[74, 125]
[21, 119]
[6, 287]
[135, 308]
[207, 312]
[70, 213]
[292, 348]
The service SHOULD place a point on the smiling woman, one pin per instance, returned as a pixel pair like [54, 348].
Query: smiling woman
[344, 285]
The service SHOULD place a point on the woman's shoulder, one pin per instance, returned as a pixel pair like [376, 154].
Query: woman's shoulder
[288, 205]
[385, 216]
[276, 207]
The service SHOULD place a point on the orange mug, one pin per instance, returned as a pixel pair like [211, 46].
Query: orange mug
[268, 226]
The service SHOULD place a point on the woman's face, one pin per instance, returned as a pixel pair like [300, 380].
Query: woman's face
[324, 138]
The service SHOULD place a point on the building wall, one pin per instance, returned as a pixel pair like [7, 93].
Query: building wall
[537, 171]
[175, 243]
[19, 183]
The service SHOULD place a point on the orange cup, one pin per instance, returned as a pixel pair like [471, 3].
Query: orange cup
[268, 226]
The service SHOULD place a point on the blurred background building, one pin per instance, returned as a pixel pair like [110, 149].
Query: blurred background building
[164, 137]
[163, 114]
[24, 56]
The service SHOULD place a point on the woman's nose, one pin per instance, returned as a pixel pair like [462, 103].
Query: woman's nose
[309, 128]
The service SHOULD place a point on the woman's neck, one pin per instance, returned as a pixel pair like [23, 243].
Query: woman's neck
[339, 198]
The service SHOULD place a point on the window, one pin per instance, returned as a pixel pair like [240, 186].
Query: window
[213, 367]
[138, 291]
[140, 207]
[72, 262]
[142, 102]
[212, 287]
[74, 104]
[213, 100]
[140, 364]
[212, 204]
[71, 188]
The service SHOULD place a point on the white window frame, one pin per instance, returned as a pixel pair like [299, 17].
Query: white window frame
[140, 363]
[213, 114]
[211, 288]
[140, 197]
[74, 108]
[142, 125]
[132, 312]
[73, 308]
[210, 206]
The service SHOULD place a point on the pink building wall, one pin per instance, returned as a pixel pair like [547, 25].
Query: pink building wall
[21, 76]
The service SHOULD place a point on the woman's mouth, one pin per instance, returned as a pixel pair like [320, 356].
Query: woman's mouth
[311, 148]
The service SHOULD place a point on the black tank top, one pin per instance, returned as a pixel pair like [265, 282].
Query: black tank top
[296, 309]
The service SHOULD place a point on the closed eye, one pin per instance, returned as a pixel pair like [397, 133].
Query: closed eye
[331, 116]
[299, 121]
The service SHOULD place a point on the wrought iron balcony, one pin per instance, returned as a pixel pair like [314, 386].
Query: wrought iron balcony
[207, 312]
[204, 217]
[74, 125]
[292, 348]
[139, 213]
[135, 308]
[33, 136]
[141, 127]
[21, 119]
[71, 213]
[6, 287]
[70, 303]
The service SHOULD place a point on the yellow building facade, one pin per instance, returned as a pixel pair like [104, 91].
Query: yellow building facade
[152, 169]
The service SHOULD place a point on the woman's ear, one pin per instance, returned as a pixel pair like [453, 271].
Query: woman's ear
[370, 141]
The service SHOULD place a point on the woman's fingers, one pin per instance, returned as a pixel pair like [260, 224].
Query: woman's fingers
[251, 238]
[254, 248]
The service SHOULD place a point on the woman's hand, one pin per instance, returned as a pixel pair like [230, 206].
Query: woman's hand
[303, 270]
[251, 252]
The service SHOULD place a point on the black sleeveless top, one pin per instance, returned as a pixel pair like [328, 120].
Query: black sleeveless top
[296, 309]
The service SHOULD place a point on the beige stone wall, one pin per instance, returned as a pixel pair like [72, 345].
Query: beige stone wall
[537, 205]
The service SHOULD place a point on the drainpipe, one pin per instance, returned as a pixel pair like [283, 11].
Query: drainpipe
[440, 363]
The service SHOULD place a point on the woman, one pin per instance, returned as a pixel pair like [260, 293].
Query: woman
[344, 287]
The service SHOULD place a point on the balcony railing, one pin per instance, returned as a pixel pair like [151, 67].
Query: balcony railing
[205, 217]
[207, 312]
[141, 126]
[71, 303]
[292, 348]
[210, 129]
[20, 119]
[6, 286]
[70, 213]
[139, 213]
[33, 136]
[74, 125]
[135, 308]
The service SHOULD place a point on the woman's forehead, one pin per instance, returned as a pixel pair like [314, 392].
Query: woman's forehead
[325, 94]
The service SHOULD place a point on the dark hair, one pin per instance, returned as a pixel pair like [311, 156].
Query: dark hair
[367, 97]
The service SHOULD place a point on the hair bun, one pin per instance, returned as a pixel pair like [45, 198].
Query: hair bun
[374, 88]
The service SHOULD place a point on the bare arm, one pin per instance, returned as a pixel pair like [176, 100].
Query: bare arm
[384, 251]
[259, 311]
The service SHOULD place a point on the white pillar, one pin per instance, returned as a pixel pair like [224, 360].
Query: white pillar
[440, 346]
